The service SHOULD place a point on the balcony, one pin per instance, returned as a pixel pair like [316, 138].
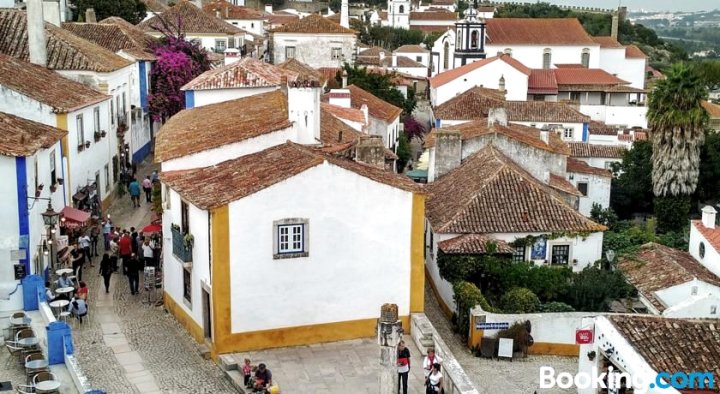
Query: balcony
[181, 249]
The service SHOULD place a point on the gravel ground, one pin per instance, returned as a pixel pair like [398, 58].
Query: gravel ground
[519, 376]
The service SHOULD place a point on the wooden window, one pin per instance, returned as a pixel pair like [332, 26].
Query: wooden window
[583, 188]
[290, 238]
[585, 58]
[560, 254]
[187, 285]
[184, 218]
[289, 52]
[96, 119]
[446, 59]
[336, 53]
[53, 173]
[80, 130]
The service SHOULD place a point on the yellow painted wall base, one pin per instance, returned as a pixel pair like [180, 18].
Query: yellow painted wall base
[554, 349]
[184, 319]
[302, 335]
[445, 308]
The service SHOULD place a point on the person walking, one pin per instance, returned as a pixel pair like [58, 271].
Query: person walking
[133, 273]
[430, 360]
[147, 188]
[148, 250]
[125, 249]
[134, 189]
[94, 238]
[434, 381]
[107, 231]
[78, 260]
[114, 250]
[85, 242]
[403, 363]
[134, 240]
[106, 270]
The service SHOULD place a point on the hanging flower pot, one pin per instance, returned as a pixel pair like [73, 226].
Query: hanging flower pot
[103, 133]
[81, 147]
[97, 136]
[87, 144]
[53, 188]
[40, 186]
[37, 193]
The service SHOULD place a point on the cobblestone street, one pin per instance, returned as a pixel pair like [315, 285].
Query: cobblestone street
[131, 346]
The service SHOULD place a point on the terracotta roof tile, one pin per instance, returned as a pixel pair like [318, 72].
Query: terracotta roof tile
[455, 73]
[712, 109]
[329, 73]
[580, 167]
[583, 149]
[585, 76]
[212, 126]
[215, 186]
[656, 267]
[607, 42]
[540, 31]
[46, 86]
[712, 235]
[523, 134]
[377, 108]
[314, 24]
[351, 114]
[633, 52]
[114, 36]
[230, 11]
[442, 2]
[192, 19]
[568, 65]
[411, 49]
[246, 72]
[333, 130]
[374, 51]
[599, 128]
[489, 193]
[281, 19]
[542, 82]
[433, 16]
[65, 50]
[673, 344]
[334, 17]
[474, 244]
[559, 183]
[304, 71]
[23, 137]
[155, 6]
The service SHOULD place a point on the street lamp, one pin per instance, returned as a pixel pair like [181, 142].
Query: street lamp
[50, 217]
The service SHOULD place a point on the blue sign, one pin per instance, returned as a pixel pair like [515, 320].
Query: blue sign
[492, 326]
[539, 249]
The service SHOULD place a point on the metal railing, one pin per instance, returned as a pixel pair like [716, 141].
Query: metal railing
[180, 250]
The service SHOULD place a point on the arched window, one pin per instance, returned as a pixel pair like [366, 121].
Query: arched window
[508, 51]
[547, 58]
[446, 59]
[401, 10]
[585, 58]
[474, 39]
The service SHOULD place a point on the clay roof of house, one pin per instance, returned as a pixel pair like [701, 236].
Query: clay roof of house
[230, 11]
[23, 137]
[192, 19]
[632, 51]
[65, 50]
[607, 42]
[656, 267]
[333, 130]
[542, 81]
[712, 109]
[246, 72]
[155, 6]
[281, 19]
[585, 76]
[672, 344]
[527, 135]
[712, 235]
[351, 114]
[544, 111]
[540, 31]
[559, 183]
[442, 2]
[600, 128]
[314, 24]
[377, 108]
[489, 193]
[568, 65]
[304, 71]
[411, 49]
[455, 73]
[583, 149]
[46, 86]
[474, 244]
[212, 126]
[581, 167]
[115, 34]
[335, 17]
[215, 186]
[433, 16]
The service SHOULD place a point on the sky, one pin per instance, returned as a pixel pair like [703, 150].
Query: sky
[651, 5]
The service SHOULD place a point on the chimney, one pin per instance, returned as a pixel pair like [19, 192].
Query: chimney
[394, 60]
[304, 110]
[36, 33]
[344, 17]
[708, 216]
[90, 16]
[340, 97]
[344, 78]
[268, 8]
[227, 12]
[370, 150]
[614, 26]
[366, 113]
[448, 152]
[497, 116]
[545, 136]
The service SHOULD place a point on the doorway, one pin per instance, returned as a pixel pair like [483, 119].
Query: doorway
[207, 320]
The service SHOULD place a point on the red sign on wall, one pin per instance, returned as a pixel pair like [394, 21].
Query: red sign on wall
[584, 337]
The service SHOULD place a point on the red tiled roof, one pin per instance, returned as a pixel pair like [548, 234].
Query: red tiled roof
[115, 34]
[304, 71]
[351, 114]
[246, 72]
[474, 244]
[489, 193]
[540, 31]
[712, 235]
[442, 2]
[599, 128]
[586, 76]
[230, 11]
[314, 24]
[281, 19]
[580, 167]
[633, 52]
[607, 42]
[46, 86]
[433, 16]
[333, 130]
[583, 149]
[455, 73]
[542, 82]
[569, 65]
[215, 125]
[155, 6]
[656, 267]
[23, 137]
[559, 183]
[215, 186]
[192, 19]
[411, 49]
[377, 108]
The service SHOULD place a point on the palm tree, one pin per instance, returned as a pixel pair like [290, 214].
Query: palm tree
[677, 123]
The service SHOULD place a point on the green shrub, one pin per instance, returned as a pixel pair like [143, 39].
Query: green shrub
[556, 306]
[519, 300]
[467, 296]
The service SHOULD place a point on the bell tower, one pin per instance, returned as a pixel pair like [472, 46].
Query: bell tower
[399, 13]
[470, 36]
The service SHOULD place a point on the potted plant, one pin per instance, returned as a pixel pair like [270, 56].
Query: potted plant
[81, 147]
[97, 136]
[37, 193]
[189, 240]
[53, 188]
[40, 186]
[591, 355]
[87, 144]
[103, 133]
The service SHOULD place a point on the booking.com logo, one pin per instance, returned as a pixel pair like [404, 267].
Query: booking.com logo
[614, 379]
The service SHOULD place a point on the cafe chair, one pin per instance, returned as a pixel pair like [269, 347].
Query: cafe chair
[18, 315]
[43, 376]
[15, 351]
[25, 389]
[30, 372]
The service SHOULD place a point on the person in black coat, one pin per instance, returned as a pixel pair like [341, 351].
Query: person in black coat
[133, 273]
[106, 270]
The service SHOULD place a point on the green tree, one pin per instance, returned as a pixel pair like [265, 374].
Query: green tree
[519, 300]
[585, 294]
[133, 11]
[335, 5]
[380, 85]
[631, 187]
[709, 180]
[467, 296]
[391, 38]
[403, 152]
[556, 307]
[678, 122]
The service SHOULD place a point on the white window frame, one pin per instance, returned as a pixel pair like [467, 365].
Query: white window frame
[336, 53]
[288, 52]
[568, 133]
[220, 42]
[290, 238]
[80, 129]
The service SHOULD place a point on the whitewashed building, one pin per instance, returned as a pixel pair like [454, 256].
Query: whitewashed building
[415, 52]
[599, 156]
[592, 182]
[704, 244]
[248, 19]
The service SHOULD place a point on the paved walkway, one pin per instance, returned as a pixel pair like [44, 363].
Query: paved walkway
[132, 346]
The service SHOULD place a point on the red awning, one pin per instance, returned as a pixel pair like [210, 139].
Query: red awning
[152, 228]
[74, 217]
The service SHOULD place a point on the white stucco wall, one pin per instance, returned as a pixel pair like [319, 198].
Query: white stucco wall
[632, 70]
[629, 116]
[577, 133]
[598, 191]
[315, 50]
[252, 25]
[516, 82]
[359, 254]
[20, 105]
[205, 97]
[532, 55]
[423, 56]
[711, 261]
[703, 307]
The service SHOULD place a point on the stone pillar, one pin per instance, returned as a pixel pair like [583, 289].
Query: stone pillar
[448, 152]
[389, 333]
[370, 150]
